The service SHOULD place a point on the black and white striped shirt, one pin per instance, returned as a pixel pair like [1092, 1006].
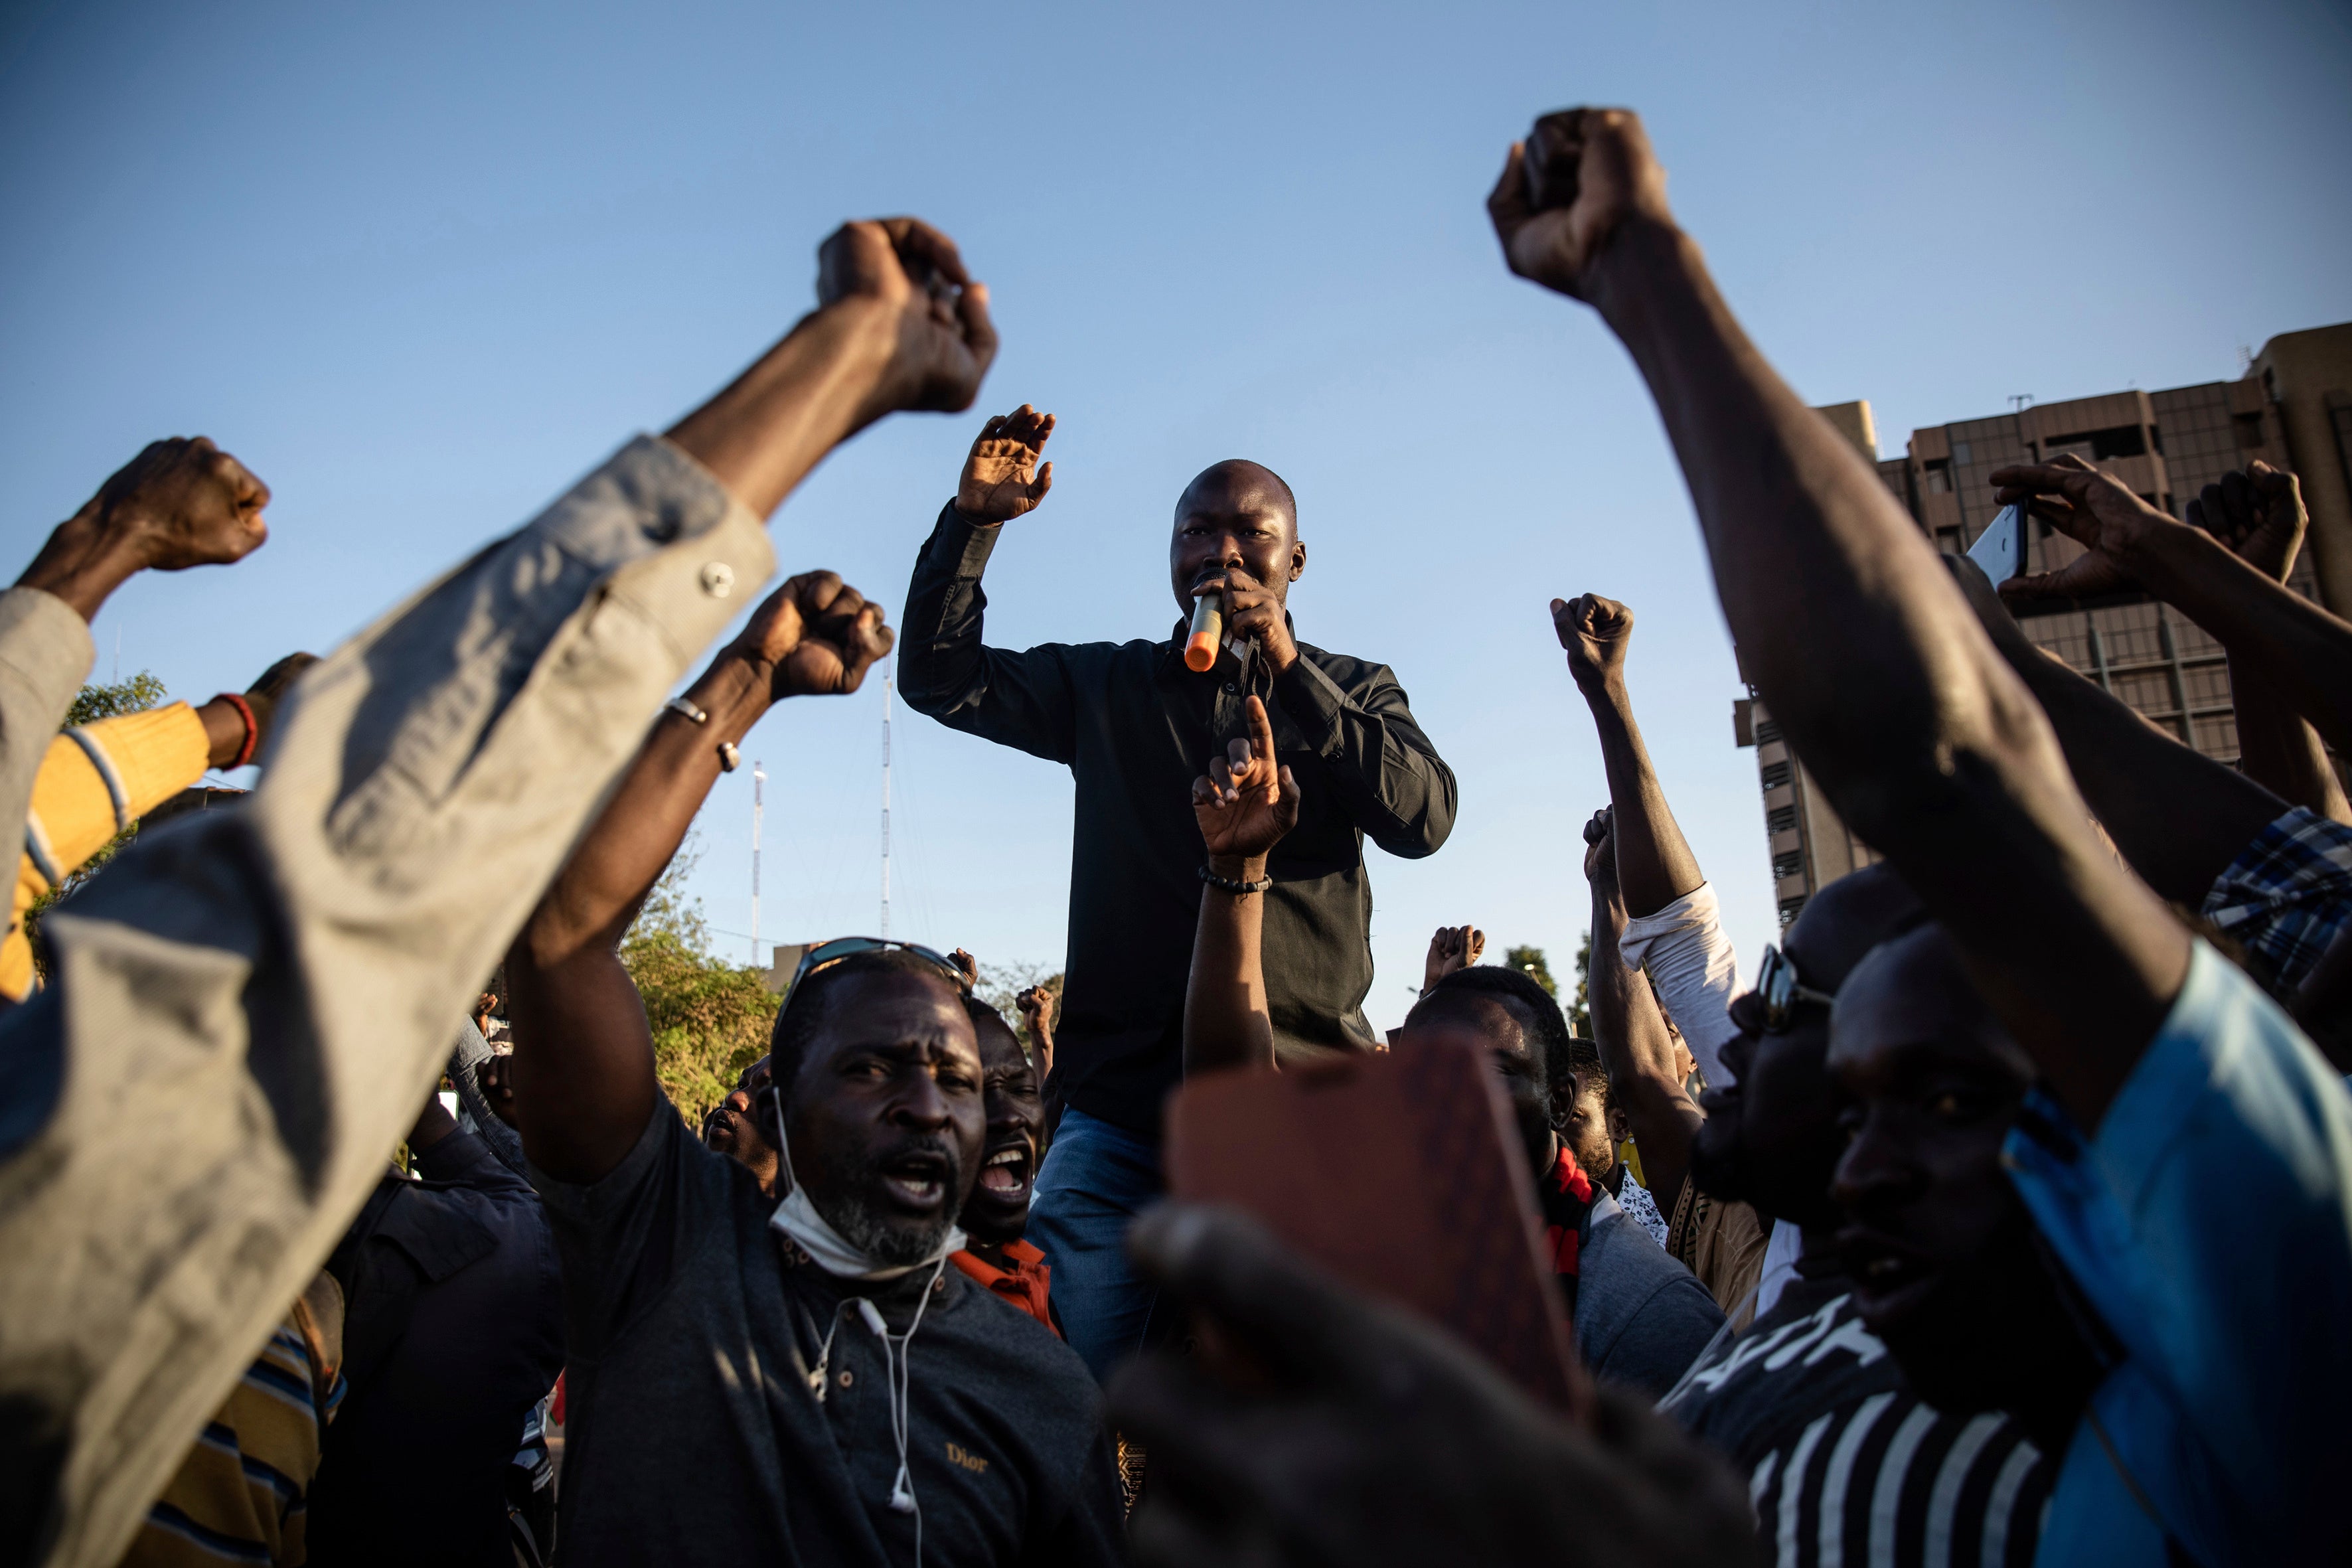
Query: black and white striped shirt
[1846, 1467]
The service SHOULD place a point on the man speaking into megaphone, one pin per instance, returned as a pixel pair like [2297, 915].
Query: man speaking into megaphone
[1135, 722]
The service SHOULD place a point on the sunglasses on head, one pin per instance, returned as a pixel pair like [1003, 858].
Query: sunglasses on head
[1782, 989]
[826, 955]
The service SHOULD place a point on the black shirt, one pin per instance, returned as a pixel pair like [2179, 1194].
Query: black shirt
[692, 1432]
[453, 1329]
[1135, 728]
[1844, 1462]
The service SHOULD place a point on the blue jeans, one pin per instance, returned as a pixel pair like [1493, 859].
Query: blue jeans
[1097, 1178]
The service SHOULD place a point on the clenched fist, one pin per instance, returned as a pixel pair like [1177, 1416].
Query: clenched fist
[1597, 175]
[1595, 632]
[815, 637]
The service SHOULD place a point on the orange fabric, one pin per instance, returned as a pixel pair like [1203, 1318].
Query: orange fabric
[1026, 1284]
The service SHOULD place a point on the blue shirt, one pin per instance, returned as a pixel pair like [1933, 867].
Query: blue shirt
[2210, 1224]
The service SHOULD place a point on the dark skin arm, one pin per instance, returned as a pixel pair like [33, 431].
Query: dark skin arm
[1875, 667]
[1243, 806]
[2259, 514]
[179, 503]
[583, 1067]
[1036, 1005]
[1655, 864]
[1636, 1048]
[2302, 652]
[2178, 817]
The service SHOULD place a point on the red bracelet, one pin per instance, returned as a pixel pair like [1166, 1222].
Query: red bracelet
[252, 729]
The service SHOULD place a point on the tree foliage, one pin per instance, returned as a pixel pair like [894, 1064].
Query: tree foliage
[1580, 1012]
[1001, 983]
[711, 1019]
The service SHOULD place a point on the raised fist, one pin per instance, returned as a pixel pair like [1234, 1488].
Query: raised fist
[1595, 632]
[1598, 173]
[2258, 514]
[815, 636]
[1001, 479]
[942, 340]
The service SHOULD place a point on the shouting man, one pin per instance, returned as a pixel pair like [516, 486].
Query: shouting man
[1131, 722]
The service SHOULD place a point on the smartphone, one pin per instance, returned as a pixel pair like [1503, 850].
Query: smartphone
[2000, 548]
[1401, 1173]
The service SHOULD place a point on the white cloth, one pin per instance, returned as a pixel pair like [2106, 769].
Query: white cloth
[1780, 1255]
[1641, 1208]
[1692, 971]
[835, 1253]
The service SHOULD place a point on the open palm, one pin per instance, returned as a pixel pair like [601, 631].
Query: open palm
[1001, 478]
[1247, 803]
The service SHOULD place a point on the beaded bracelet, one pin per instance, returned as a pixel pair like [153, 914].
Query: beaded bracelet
[252, 727]
[1226, 884]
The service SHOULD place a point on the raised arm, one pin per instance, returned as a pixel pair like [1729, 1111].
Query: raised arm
[1885, 687]
[2259, 514]
[2300, 649]
[584, 1061]
[1014, 698]
[1636, 1049]
[1654, 865]
[2178, 817]
[1244, 807]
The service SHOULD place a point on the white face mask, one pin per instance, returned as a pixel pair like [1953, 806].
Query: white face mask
[796, 1218]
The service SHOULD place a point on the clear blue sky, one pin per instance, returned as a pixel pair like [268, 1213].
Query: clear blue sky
[422, 265]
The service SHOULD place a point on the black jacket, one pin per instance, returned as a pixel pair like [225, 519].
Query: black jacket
[1136, 727]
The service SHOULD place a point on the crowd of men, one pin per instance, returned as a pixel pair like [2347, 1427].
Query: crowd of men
[2002, 1212]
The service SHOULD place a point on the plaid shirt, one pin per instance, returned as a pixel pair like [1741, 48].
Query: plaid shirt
[2286, 896]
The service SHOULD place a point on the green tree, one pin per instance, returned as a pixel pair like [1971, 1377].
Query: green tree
[711, 1019]
[136, 695]
[1001, 983]
[141, 693]
[1580, 1012]
[1530, 961]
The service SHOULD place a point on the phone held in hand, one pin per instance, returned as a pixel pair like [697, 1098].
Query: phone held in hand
[1401, 1174]
[2000, 548]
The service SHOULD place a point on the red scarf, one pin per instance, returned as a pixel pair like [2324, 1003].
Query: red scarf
[1565, 1195]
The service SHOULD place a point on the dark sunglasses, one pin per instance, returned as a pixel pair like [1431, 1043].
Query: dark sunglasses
[826, 955]
[1782, 989]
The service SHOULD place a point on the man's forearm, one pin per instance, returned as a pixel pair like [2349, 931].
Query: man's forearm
[1655, 864]
[1227, 1021]
[1889, 691]
[2278, 748]
[2178, 817]
[1638, 1054]
[2304, 651]
[583, 1066]
[821, 383]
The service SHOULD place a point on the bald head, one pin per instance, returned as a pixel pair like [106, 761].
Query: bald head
[1235, 514]
[1238, 486]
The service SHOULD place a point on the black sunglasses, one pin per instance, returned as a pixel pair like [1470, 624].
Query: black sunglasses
[1782, 990]
[826, 955]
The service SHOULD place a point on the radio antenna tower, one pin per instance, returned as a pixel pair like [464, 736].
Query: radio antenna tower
[759, 778]
[885, 931]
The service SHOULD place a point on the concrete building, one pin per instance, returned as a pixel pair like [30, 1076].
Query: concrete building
[2292, 409]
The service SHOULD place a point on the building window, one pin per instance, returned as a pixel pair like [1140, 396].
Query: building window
[1780, 819]
[2248, 428]
[1962, 453]
[2115, 441]
[1776, 775]
[1767, 732]
[1787, 866]
[1947, 540]
[1939, 476]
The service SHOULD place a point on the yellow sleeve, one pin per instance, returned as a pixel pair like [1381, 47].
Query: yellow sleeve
[96, 780]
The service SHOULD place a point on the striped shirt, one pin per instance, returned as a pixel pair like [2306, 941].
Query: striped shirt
[241, 1494]
[1846, 1467]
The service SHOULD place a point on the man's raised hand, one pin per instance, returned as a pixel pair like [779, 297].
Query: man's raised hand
[1452, 948]
[941, 338]
[1595, 632]
[179, 503]
[2094, 510]
[1001, 478]
[1598, 176]
[1600, 849]
[1252, 612]
[815, 637]
[1245, 802]
[2258, 515]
